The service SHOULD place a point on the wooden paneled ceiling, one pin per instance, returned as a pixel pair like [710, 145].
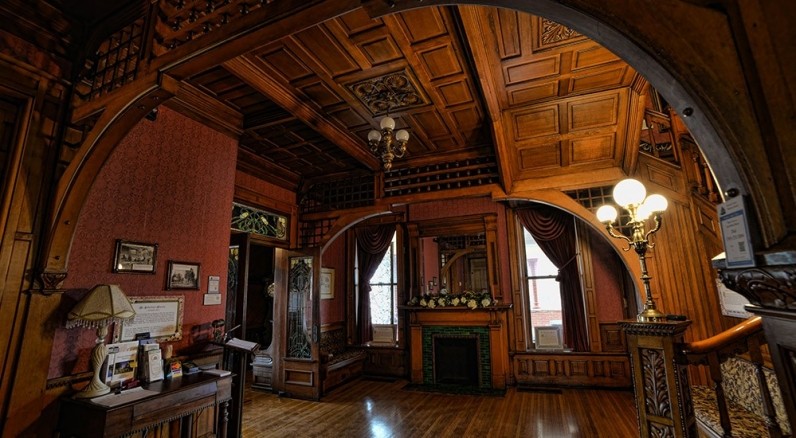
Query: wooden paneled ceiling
[553, 107]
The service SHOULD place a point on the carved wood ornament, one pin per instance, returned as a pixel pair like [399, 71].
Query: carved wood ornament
[390, 92]
[770, 286]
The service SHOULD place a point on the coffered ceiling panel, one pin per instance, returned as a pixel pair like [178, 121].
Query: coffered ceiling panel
[460, 80]
[564, 100]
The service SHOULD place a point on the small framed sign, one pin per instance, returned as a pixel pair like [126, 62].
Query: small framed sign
[549, 338]
[327, 283]
[735, 233]
[160, 317]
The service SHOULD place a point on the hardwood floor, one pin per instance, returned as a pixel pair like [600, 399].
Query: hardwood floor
[378, 409]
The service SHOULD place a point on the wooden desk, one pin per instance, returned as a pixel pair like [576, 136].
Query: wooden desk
[190, 406]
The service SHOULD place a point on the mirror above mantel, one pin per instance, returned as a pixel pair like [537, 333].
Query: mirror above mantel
[455, 255]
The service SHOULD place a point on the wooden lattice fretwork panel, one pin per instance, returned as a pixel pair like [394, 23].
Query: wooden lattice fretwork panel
[473, 172]
[338, 194]
[116, 62]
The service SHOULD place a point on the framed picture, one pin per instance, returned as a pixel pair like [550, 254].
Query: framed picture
[549, 338]
[159, 317]
[135, 257]
[327, 283]
[182, 275]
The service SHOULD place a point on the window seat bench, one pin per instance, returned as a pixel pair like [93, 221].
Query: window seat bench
[339, 362]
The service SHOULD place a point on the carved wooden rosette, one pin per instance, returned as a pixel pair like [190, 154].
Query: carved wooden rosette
[663, 396]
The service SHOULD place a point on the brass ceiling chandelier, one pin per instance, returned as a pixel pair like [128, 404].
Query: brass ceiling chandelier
[387, 144]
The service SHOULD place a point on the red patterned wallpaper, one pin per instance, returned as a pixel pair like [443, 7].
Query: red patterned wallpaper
[334, 257]
[272, 191]
[169, 182]
[607, 271]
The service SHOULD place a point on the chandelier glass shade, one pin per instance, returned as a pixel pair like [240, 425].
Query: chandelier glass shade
[387, 144]
[631, 195]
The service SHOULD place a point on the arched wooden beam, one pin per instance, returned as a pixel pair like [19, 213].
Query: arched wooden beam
[347, 221]
[731, 141]
[117, 119]
[558, 199]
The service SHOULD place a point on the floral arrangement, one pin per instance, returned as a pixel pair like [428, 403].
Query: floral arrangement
[469, 299]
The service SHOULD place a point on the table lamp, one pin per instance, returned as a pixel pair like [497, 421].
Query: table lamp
[103, 305]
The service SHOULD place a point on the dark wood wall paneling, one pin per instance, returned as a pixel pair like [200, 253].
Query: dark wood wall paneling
[32, 108]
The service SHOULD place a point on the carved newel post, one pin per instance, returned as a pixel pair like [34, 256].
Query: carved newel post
[663, 395]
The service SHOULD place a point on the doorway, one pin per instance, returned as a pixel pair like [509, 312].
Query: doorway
[249, 314]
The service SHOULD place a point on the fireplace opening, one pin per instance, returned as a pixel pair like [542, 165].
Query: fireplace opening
[456, 360]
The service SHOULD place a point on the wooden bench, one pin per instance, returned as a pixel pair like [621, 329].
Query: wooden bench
[339, 363]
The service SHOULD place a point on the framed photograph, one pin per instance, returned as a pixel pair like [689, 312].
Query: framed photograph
[135, 257]
[549, 338]
[182, 275]
[327, 283]
[160, 317]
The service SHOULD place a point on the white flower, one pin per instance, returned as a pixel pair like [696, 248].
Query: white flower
[472, 304]
[455, 301]
[441, 302]
[432, 304]
[423, 302]
[486, 302]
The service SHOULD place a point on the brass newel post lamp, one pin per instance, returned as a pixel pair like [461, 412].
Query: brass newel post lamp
[631, 195]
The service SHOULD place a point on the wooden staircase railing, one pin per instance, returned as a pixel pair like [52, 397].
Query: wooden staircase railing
[746, 337]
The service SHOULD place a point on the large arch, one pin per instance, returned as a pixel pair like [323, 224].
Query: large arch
[730, 140]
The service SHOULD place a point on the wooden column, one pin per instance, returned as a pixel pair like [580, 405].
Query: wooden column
[663, 396]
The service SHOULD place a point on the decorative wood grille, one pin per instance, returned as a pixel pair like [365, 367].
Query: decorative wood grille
[312, 232]
[338, 194]
[181, 21]
[443, 176]
[595, 197]
[115, 63]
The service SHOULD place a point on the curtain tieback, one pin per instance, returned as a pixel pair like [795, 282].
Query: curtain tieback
[564, 266]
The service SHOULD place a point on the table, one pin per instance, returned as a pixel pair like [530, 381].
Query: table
[190, 406]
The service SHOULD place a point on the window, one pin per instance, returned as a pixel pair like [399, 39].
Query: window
[383, 296]
[544, 293]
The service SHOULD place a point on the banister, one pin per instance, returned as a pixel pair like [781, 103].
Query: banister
[745, 329]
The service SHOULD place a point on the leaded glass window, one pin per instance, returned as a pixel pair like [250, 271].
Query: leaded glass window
[264, 223]
[299, 307]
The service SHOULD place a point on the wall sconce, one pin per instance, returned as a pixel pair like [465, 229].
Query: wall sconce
[102, 306]
[387, 145]
[631, 195]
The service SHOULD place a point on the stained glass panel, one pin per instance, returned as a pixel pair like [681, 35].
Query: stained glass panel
[299, 307]
[252, 220]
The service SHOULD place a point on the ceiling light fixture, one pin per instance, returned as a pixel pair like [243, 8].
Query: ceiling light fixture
[386, 144]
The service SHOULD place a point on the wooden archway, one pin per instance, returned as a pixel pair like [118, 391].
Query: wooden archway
[731, 140]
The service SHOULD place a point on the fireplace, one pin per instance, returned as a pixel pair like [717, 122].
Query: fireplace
[456, 360]
[459, 346]
[457, 355]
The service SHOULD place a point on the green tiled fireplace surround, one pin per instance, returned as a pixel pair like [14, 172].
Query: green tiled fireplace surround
[482, 333]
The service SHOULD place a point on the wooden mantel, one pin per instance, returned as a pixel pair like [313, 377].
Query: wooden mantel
[494, 318]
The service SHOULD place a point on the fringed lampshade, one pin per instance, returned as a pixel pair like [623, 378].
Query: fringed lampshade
[103, 305]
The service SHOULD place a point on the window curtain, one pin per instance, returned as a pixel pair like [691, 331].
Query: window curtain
[372, 243]
[554, 231]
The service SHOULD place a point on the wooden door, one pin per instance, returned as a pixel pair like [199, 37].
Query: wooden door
[236, 361]
[296, 316]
